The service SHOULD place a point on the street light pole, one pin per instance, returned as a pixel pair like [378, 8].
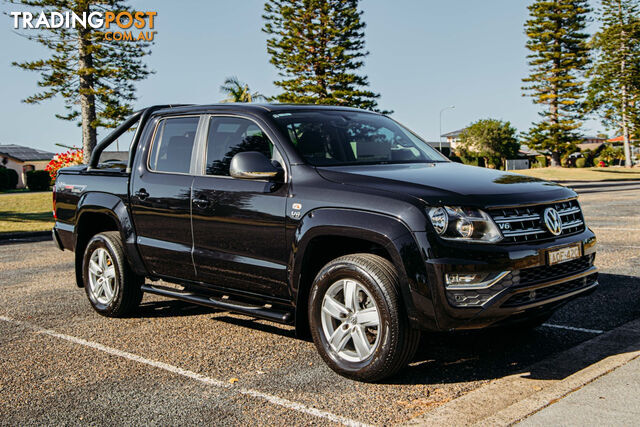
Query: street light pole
[442, 111]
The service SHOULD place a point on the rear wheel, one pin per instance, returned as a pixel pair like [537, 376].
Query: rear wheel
[112, 288]
[357, 319]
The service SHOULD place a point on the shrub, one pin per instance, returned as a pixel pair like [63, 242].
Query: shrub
[13, 179]
[581, 162]
[38, 180]
[61, 160]
[542, 161]
[4, 179]
[9, 179]
[455, 158]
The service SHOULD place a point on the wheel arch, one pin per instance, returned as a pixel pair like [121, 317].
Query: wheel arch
[325, 234]
[98, 212]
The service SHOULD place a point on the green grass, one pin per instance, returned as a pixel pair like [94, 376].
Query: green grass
[583, 174]
[25, 212]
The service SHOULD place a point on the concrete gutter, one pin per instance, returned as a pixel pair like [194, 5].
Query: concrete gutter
[596, 184]
[508, 400]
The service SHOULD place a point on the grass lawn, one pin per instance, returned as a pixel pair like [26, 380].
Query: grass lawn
[583, 174]
[25, 211]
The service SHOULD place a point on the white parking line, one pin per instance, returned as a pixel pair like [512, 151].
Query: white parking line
[571, 328]
[190, 374]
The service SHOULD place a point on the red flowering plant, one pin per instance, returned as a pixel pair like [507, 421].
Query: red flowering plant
[61, 160]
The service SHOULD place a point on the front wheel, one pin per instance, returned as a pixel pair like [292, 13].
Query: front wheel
[357, 319]
[112, 288]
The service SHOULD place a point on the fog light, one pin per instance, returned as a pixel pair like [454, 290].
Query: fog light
[464, 278]
[473, 280]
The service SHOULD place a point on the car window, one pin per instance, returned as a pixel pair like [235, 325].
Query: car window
[332, 138]
[228, 136]
[173, 145]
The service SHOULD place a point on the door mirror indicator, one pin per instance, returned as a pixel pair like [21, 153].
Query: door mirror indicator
[253, 165]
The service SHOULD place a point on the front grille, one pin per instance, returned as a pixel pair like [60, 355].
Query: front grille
[542, 294]
[545, 273]
[526, 224]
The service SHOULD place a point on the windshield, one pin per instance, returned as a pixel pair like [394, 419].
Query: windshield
[336, 138]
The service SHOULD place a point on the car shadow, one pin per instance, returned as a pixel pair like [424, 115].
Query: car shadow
[486, 354]
[177, 308]
[489, 354]
[171, 308]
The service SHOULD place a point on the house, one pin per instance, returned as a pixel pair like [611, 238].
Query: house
[453, 138]
[634, 145]
[619, 140]
[590, 139]
[23, 159]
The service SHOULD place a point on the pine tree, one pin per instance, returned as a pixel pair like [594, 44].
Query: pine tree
[559, 56]
[318, 47]
[614, 87]
[94, 76]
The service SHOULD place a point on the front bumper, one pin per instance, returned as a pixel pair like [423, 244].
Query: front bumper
[531, 289]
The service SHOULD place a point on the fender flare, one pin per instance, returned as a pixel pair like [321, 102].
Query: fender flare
[112, 206]
[387, 231]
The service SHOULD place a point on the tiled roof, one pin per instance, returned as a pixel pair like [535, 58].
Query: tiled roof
[24, 154]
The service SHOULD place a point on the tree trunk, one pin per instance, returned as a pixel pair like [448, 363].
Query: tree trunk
[87, 98]
[625, 126]
[553, 113]
[553, 108]
[625, 96]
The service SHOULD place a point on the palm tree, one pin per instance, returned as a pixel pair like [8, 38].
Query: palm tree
[237, 91]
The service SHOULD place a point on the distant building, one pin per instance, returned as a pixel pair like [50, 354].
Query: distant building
[620, 139]
[589, 139]
[634, 145]
[453, 138]
[23, 159]
[591, 143]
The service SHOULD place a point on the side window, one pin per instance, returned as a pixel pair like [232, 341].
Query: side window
[116, 154]
[173, 145]
[229, 136]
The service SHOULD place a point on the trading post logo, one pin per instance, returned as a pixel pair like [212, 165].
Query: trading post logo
[118, 26]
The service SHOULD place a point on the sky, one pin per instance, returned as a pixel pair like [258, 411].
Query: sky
[425, 55]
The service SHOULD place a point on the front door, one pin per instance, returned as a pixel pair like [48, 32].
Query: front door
[161, 198]
[239, 224]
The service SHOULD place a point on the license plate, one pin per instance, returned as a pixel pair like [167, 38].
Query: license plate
[564, 254]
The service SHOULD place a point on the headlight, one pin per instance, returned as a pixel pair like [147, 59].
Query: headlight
[470, 225]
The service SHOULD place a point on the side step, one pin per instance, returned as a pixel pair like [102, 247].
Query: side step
[261, 311]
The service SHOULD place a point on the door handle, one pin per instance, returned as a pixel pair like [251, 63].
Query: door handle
[201, 203]
[142, 194]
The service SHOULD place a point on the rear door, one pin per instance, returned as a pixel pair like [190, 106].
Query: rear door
[239, 224]
[161, 197]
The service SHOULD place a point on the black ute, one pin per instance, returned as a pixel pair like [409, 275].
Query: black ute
[337, 220]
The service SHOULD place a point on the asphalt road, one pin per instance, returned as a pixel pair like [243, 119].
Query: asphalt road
[175, 363]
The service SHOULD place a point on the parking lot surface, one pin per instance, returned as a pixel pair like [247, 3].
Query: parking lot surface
[176, 363]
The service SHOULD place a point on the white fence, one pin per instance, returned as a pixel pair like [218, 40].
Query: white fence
[516, 164]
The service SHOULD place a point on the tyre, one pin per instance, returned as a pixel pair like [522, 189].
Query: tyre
[357, 320]
[112, 288]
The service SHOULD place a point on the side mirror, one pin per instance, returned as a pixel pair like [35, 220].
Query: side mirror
[252, 165]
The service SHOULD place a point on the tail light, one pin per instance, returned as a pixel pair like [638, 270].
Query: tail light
[54, 203]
